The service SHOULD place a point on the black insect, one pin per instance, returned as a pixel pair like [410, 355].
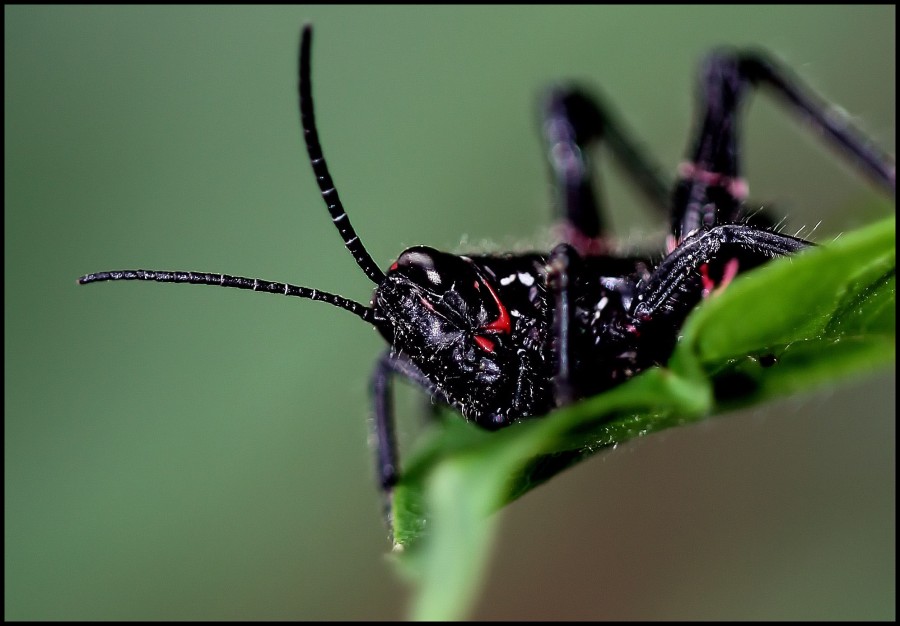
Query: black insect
[506, 337]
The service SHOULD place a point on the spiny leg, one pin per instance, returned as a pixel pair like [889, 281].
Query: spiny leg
[710, 190]
[678, 282]
[572, 122]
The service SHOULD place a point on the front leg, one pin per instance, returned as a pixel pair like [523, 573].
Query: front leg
[694, 267]
[384, 440]
[383, 430]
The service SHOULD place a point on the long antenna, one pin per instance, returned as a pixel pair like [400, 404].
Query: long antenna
[339, 216]
[320, 168]
[239, 282]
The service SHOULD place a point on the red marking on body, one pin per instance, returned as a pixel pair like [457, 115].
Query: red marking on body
[737, 187]
[731, 270]
[484, 343]
[708, 283]
[393, 266]
[426, 303]
[502, 324]
[710, 286]
[631, 328]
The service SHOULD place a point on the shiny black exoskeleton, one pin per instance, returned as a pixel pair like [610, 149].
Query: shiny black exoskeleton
[506, 337]
[480, 329]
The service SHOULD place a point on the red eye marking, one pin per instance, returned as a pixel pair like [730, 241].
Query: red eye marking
[484, 343]
[502, 323]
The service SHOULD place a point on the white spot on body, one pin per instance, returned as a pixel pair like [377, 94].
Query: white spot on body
[598, 310]
[526, 279]
[509, 279]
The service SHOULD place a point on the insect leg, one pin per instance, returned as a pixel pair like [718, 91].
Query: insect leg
[384, 440]
[829, 121]
[559, 272]
[572, 121]
[710, 189]
[677, 283]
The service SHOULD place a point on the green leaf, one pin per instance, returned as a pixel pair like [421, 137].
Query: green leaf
[792, 325]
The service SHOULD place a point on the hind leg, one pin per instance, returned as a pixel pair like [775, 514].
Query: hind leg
[710, 190]
[572, 123]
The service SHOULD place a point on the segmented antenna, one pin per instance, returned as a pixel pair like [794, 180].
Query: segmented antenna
[320, 168]
[339, 216]
[239, 282]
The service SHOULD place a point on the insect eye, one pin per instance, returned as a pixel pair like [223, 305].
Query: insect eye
[418, 257]
[423, 266]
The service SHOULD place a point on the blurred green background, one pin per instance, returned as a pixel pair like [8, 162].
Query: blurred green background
[193, 453]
